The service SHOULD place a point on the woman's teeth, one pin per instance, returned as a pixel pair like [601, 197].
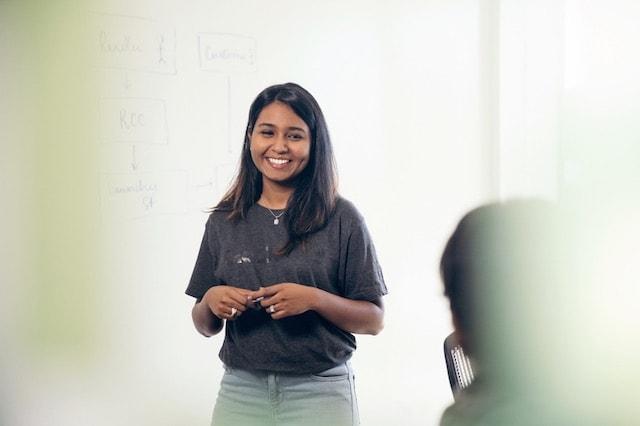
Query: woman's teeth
[278, 161]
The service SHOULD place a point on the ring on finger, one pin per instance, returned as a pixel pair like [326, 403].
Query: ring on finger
[234, 311]
[272, 308]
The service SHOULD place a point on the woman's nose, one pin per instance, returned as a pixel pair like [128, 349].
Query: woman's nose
[281, 144]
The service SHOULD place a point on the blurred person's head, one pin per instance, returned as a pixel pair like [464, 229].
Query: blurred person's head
[540, 299]
[492, 265]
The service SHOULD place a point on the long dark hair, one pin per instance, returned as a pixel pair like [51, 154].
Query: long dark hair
[314, 197]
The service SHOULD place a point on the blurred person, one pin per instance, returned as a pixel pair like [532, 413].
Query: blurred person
[290, 267]
[492, 266]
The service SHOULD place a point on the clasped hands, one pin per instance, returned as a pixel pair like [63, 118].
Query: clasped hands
[279, 300]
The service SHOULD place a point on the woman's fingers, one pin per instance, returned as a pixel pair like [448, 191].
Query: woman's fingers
[252, 295]
[237, 300]
[271, 295]
[267, 302]
[262, 293]
[233, 305]
[228, 312]
[229, 302]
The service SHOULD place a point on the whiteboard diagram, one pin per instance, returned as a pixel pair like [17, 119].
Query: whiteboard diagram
[227, 53]
[133, 43]
[136, 195]
[134, 120]
[146, 121]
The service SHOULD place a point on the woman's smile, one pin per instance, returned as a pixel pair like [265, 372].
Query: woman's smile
[278, 163]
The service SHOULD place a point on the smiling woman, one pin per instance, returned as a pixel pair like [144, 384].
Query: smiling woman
[293, 294]
[280, 147]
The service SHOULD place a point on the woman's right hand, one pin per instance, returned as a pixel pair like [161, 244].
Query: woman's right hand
[225, 301]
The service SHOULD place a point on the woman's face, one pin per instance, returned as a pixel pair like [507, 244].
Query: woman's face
[280, 144]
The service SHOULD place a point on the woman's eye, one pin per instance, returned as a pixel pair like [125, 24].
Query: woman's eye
[266, 133]
[295, 137]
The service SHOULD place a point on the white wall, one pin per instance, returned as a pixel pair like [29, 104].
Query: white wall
[530, 75]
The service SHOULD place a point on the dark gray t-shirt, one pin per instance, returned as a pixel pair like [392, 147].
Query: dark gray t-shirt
[339, 259]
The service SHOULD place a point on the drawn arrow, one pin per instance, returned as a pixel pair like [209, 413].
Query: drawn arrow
[134, 163]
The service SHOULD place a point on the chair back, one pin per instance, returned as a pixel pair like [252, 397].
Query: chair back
[458, 365]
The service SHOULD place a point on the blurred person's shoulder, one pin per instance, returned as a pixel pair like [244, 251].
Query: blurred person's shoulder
[480, 405]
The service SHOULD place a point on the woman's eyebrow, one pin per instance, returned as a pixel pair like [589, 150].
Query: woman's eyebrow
[288, 128]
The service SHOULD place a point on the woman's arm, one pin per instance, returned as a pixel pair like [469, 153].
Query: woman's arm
[354, 316]
[218, 303]
[204, 320]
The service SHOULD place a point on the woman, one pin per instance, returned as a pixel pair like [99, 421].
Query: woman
[290, 267]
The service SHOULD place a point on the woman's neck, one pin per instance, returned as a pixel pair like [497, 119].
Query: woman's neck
[275, 197]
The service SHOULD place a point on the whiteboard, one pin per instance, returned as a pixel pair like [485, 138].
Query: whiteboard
[400, 88]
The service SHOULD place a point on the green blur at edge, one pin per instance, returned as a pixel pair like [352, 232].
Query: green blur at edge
[61, 299]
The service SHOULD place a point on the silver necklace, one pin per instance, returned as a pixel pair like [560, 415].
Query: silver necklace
[276, 217]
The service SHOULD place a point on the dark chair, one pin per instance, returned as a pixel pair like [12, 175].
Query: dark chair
[458, 365]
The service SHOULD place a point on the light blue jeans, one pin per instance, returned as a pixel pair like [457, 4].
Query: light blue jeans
[251, 398]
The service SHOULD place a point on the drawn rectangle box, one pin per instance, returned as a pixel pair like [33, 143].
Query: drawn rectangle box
[134, 120]
[227, 53]
[133, 43]
[136, 195]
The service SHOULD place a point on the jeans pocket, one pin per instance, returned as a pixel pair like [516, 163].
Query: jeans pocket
[333, 374]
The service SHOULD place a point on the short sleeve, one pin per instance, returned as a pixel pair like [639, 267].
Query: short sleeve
[203, 276]
[362, 276]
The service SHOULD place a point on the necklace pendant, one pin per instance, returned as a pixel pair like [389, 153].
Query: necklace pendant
[276, 217]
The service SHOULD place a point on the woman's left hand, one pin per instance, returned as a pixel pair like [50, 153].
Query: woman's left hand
[286, 299]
